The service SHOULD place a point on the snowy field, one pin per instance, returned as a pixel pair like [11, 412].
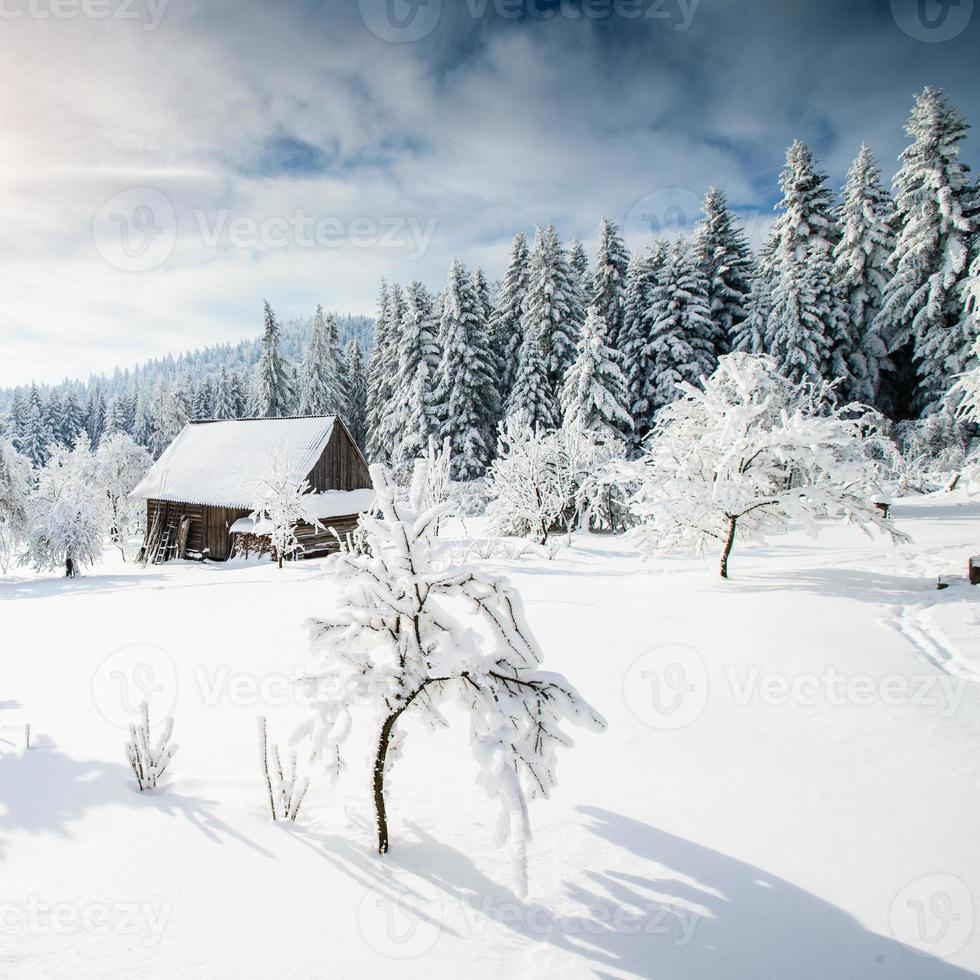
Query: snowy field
[788, 786]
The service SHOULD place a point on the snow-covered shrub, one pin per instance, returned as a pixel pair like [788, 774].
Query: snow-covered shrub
[15, 485]
[432, 484]
[406, 636]
[68, 512]
[748, 452]
[933, 450]
[287, 788]
[119, 465]
[545, 482]
[149, 760]
[280, 505]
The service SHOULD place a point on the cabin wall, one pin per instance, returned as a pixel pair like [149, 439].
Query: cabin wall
[340, 466]
[209, 526]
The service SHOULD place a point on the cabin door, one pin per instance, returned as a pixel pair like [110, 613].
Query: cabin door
[182, 535]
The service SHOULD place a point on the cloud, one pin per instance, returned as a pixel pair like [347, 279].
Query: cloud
[246, 116]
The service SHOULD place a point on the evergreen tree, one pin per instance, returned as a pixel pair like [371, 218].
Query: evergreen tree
[922, 316]
[202, 400]
[642, 277]
[594, 394]
[532, 395]
[681, 346]
[143, 425]
[272, 389]
[95, 416]
[71, 421]
[722, 253]
[356, 393]
[861, 272]
[115, 417]
[223, 406]
[749, 336]
[505, 321]
[35, 439]
[551, 307]
[466, 387]
[578, 262]
[608, 294]
[484, 300]
[319, 379]
[800, 292]
[381, 375]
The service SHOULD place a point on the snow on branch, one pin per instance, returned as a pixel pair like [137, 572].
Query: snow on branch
[748, 452]
[279, 506]
[408, 635]
[149, 761]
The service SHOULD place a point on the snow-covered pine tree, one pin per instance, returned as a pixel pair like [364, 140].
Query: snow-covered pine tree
[36, 438]
[861, 272]
[531, 395]
[578, 262]
[505, 321]
[922, 313]
[115, 417]
[749, 336]
[804, 327]
[143, 424]
[273, 393]
[641, 279]
[681, 346]
[340, 360]
[414, 404]
[71, 421]
[725, 259]
[15, 486]
[202, 403]
[17, 417]
[550, 306]
[608, 292]
[224, 398]
[356, 393]
[466, 392]
[95, 415]
[318, 378]
[381, 374]
[594, 394]
[483, 294]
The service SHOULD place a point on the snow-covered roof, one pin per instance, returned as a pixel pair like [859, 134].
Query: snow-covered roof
[221, 463]
[318, 507]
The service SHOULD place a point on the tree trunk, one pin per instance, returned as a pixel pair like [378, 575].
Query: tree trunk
[729, 544]
[69, 567]
[379, 780]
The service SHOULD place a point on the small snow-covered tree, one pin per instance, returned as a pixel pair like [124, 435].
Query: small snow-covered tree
[432, 480]
[280, 500]
[381, 374]
[318, 379]
[356, 396]
[223, 406]
[68, 512]
[594, 393]
[748, 452]
[531, 393]
[119, 465]
[505, 321]
[608, 292]
[15, 486]
[408, 635]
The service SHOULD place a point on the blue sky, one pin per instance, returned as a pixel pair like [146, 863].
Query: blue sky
[166, 165]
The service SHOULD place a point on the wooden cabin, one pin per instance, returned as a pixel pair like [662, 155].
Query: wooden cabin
[200, 492]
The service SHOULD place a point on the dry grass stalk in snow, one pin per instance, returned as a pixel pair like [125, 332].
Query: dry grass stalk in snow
[149, 762]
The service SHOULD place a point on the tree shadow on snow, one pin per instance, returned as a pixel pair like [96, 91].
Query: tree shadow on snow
[701, 915]
[44, 791]
[841, 583]
[46, 588]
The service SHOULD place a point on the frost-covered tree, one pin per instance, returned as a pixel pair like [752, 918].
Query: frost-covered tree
[922, 315]
[356, 393]
[532, 395]
[319, 376]
[120, 464]
[965, 394]
[35, 438]
[202, 400]
[420, 420]
[279, 505]
[642, 277]
[722, 253]
[861, 272]
[95, 415]
[408, 636]
[466, 393]
[505, 322]
[143, 422]
[68, 512]
[681, 346]
[805, 321]
[381, 375]
[747, 452]
[608, 292]
[550, 306]
[273, 394]
[15, 487]
[224, 406]
[71, 419]
[594, 394]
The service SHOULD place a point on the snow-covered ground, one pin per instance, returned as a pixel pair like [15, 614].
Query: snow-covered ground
[789, 785]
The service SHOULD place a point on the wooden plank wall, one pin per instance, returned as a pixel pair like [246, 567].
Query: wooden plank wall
[340, 466]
